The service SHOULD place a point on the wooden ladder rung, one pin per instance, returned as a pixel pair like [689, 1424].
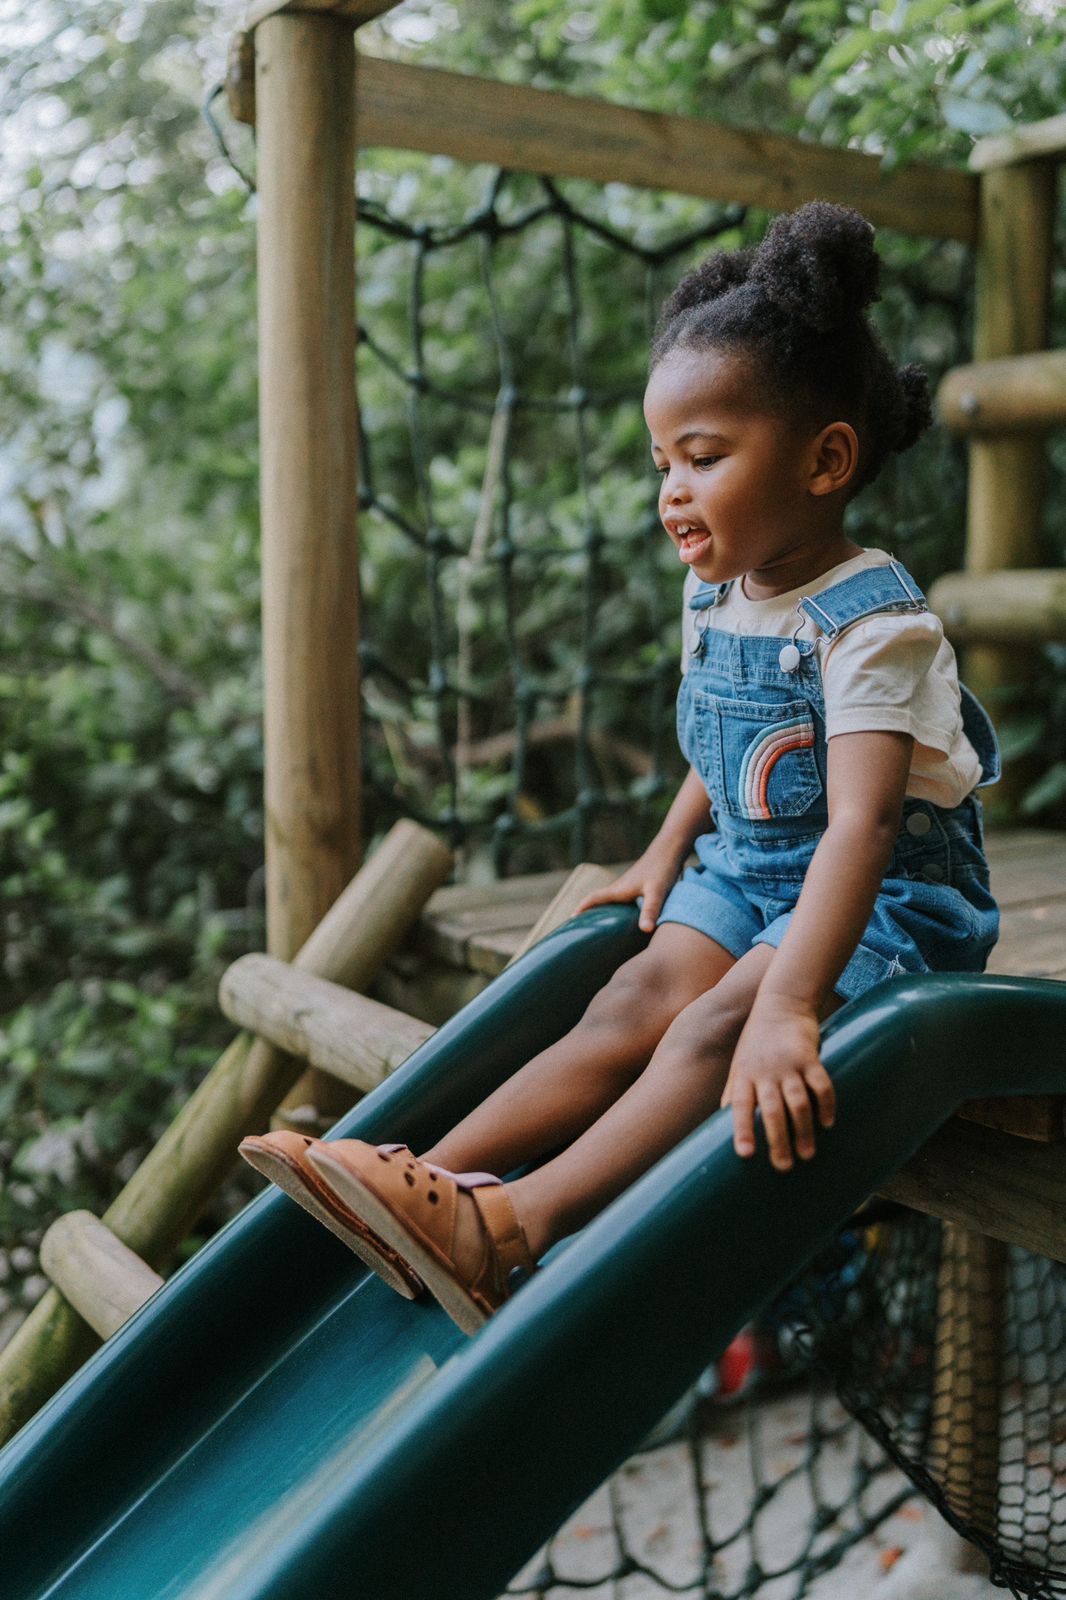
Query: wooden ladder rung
[353, 1038]
[103, 1279]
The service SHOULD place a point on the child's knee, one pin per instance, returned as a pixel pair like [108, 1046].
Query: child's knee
[635, 999]
[707, 1030]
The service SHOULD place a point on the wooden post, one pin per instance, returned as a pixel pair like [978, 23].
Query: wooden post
[304, 96]
[1006, 487]
[968, 1389]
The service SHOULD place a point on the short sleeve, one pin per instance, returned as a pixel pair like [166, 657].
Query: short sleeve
[895, 673]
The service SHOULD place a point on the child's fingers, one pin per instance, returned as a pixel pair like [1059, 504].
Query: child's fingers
[798, 1101]
[776, 1125]
[610, 894]
[743, 1102]
[649, 911]
[821, 1086]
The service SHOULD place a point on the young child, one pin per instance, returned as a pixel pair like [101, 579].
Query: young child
[821, 716]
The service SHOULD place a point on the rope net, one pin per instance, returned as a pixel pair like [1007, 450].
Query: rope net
[521, 631]
[914, 1357]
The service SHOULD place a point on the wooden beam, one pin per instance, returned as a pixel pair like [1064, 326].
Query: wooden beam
[1022, 607]
[991, 1183]
[308, 428]
[353, 1038]
[511, 125]
[1033, 139]
[1020, 394]
[352, 11]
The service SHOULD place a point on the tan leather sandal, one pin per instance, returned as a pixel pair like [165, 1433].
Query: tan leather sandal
[413, 1206]
[282, 1157]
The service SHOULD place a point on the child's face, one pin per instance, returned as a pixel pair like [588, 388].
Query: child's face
[740, 478]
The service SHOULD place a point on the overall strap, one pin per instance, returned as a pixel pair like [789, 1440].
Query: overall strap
[866, 594]
[708, 595]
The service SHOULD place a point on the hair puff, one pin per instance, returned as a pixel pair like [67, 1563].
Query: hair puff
[818, 264]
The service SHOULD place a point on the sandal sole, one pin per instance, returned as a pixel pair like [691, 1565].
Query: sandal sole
[442, 1283]
[289, 1176]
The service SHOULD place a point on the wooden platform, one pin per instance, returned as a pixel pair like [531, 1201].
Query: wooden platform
[479, 928]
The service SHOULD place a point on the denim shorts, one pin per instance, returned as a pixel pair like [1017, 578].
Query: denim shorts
[934, 912]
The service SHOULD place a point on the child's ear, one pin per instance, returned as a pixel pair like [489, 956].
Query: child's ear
[836, 457]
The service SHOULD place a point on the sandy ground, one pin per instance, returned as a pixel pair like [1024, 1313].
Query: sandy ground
[654, 1502]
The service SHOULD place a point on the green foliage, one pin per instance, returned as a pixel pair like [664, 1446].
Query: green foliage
[130, 687]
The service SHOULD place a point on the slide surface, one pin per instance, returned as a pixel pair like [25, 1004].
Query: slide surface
[275, 1422]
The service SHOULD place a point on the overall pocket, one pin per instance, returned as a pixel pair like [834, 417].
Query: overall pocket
[760, 757]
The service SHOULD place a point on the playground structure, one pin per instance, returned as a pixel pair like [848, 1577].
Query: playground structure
[331, 929]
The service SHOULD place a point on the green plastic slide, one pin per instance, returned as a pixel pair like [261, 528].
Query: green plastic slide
[277, 1423]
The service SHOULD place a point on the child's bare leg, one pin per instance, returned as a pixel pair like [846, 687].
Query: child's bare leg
[560, 1092]
[681, 1086]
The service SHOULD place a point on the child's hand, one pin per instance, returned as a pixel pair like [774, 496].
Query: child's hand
[652, 876]
[774, 1065]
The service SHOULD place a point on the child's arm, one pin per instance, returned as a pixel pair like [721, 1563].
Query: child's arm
[776, 1059]
[653, 875]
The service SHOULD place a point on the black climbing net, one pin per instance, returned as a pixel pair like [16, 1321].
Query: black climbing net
[946, 1352]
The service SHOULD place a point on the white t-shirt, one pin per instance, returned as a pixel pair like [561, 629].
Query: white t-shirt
[894, 671]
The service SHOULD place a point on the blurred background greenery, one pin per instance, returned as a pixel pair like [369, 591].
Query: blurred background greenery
[130, 682]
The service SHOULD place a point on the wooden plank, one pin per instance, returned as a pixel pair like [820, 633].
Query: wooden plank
[1032, 941]
[511, 125]
[1037, 1116]
[1033, 139]
[582, 881]
[1037, 873]
[353, 11]
[991, 1183]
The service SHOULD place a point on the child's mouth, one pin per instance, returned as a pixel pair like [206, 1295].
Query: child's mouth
[694, 546]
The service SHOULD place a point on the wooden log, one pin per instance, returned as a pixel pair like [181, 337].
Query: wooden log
[406, 107]
[1007, 475]
[166, 1194]
[991, 1183]
[353, 1038]
[1020, 394]
[308, 429]
[102, 1278]
[1026, 606]
[1044, 138]
[967, 1383]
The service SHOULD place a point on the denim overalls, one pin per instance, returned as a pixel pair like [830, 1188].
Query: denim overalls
[751, 720]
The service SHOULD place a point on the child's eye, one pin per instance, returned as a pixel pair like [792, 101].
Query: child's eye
[699, 461]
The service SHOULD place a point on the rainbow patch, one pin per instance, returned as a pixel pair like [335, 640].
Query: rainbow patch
[761, 759]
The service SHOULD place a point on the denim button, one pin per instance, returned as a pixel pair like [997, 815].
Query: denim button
[789, 659]
[933, 873]
[919, 823]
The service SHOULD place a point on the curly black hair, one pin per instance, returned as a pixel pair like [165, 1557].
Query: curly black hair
[792, 309]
